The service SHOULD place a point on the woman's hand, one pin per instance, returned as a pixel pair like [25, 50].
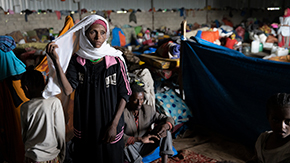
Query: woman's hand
[50, 50]
[148, 139]
[110, 134]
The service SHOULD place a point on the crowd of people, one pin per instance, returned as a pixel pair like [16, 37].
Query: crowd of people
[98, 75]
[111, 121]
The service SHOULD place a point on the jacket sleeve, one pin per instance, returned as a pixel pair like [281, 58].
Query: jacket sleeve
[161, 118]
[124, 90]
[128, 140]
[126, 137]
[59, 127]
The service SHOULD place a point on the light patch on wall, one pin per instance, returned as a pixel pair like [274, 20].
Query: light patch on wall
[121, 12]
[273, 8]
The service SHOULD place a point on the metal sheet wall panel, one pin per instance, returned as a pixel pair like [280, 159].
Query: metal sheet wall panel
[135, 4]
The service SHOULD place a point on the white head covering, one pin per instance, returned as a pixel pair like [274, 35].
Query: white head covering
[75, 41]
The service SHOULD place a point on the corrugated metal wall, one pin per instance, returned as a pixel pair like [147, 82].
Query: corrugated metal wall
[134, 4]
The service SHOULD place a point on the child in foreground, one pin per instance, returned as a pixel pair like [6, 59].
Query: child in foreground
[42, 122]
[274, 146]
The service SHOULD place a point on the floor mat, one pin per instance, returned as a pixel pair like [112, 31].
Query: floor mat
[188, 156]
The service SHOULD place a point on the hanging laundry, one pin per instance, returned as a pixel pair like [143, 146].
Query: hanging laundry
[10, 11]
[182, 12]
[109, 13]
[27, 12]
[132, 17]
[58, 14]
[101, 13]
[153, 9]
[84, 11]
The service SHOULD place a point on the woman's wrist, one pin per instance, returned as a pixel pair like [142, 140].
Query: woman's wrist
[114, 124]
[55, 61]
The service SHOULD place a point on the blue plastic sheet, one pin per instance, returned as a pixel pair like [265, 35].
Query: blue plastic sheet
[227, 91]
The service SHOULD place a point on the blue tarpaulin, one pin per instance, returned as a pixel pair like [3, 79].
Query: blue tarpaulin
[227, 91]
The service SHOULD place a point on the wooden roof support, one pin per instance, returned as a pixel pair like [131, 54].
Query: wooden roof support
[183, 33]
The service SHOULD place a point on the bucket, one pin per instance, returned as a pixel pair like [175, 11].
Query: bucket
[255, 46]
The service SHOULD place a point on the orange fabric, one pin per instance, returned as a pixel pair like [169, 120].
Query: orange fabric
[210, 35]
[43, 68]
[228, 22]
[17, 87]
[67, 25]
[122, 39]
[11, 145]
[285, 58]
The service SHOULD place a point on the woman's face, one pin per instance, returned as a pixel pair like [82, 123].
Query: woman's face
[136, 101]
[285, 12]
[96, 34]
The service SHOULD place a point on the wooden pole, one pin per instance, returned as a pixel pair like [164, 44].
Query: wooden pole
[183, 33]
[152, 7]
[79, 10]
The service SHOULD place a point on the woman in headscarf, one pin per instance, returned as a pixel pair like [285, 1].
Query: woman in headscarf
[284, 30]
[97, 73]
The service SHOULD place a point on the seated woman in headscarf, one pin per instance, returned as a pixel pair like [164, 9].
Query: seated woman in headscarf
[97, 73]
[139, 140]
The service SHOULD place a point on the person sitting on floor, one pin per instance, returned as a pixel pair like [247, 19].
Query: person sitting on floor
[42, 122]
[139, 140]
[274, 146]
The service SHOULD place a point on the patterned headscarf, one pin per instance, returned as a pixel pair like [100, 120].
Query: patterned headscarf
[7, 43]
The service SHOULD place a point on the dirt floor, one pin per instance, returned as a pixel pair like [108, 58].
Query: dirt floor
[213, 146]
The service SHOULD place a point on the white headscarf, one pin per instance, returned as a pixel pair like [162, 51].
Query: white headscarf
[75, 41]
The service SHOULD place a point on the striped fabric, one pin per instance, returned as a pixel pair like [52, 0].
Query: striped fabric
[123, 69]
[7, 43]
[118, 136]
